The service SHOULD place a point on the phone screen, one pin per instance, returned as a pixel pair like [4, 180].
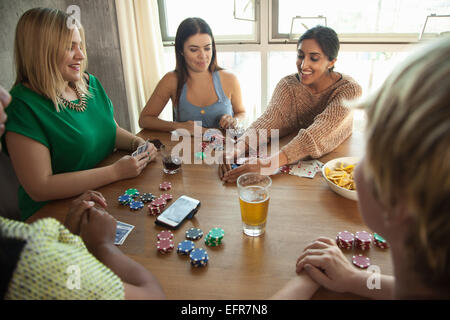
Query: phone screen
[181, 208]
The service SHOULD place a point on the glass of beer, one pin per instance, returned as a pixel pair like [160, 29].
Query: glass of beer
[254, 198]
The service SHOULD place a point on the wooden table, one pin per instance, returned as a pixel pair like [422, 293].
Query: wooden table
[300, 210]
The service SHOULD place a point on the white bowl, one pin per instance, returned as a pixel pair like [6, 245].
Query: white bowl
[349, 194]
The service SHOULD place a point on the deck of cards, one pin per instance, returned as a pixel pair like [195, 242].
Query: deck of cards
[122, 231]
[141, 149]
[307, 169]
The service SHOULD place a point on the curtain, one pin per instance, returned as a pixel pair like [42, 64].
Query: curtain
[142, 54]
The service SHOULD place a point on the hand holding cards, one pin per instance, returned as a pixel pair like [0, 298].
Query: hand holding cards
[141, 149]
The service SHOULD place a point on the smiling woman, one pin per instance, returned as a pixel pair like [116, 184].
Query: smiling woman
[199, 89]
[311, 102]
[60, 121]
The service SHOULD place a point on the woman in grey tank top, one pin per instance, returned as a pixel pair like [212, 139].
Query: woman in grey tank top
[200, 91]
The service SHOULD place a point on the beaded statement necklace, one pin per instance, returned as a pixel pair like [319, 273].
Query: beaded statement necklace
[79, 107]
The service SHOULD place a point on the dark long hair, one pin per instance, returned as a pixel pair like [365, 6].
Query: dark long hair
[327, 39]
[187, 28]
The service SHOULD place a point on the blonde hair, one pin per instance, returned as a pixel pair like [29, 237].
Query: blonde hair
[408, 155]
[42, 37]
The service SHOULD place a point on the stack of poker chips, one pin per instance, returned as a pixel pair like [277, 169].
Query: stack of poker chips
[214, 237]
[285, 169]
[136, 205]
[345, 240]
[166, 197]
[361, 261]
[379, 242]
[363, 239]
[125, 199]
[157, 206]
[194, 234]
[132, 192]
[165, 186]
[199, 257]
[165, 234]
[147, 197]
[185, 247]
[165, 246]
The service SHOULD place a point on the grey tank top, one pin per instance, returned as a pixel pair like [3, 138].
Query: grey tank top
[208, 115]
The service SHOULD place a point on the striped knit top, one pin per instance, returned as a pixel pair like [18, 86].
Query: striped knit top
[322, 120]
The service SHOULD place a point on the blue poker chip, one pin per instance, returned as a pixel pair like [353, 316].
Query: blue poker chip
[199, 257]
[124, 199]
[185, 247]
[234, 166]
[136, 205]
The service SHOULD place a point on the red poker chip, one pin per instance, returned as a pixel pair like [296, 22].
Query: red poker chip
[159, 202]
[381, 245]
[363, 236]
[154, 211]
[165, 245]
[285, 169]
[165, 186]
[166, 197]
[165, 234]
[361, 261]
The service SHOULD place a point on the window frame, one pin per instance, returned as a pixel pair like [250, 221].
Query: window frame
[380, 38]
[219, 39]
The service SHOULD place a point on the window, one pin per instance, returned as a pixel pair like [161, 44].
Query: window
[360, 21]
[219, 14]
[260, 53]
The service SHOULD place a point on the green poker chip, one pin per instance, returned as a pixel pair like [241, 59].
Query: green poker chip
[132, 192]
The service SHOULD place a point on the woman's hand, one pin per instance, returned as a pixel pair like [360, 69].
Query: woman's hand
[228, 122]
[79, 207]
[130, 167]
[326, 264]
[261, 166]
[98, 229]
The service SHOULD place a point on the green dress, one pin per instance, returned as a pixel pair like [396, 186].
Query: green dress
[76, 140]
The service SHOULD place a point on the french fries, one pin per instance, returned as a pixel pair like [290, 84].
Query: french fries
[342, 175]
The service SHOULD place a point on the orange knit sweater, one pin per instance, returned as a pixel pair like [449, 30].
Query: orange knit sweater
[322, 120]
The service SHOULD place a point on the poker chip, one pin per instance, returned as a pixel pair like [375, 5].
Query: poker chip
[199, 257]
[125, 199]
[204, 145]
[132, 192]
[136, 205]
[166, 197]
[165, 246]
[159, 203]
[361, 261]
[214, 237]
[165, 234]
[363, 240]
[345, 240]
[379, 241]
[285, 169]
[200, 155]
[154, 211]
[165, 186]
[194, 234]
[234, 165]
[147, 197]
[185, 247]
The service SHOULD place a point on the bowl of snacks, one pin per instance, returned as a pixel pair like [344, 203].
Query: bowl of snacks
[338, 173]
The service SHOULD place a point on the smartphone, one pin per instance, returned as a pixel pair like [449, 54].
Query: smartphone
[184, 207]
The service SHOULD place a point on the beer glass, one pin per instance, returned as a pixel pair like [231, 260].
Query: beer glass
[254, 198]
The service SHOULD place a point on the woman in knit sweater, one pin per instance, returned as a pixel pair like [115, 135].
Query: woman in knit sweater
[310, 102]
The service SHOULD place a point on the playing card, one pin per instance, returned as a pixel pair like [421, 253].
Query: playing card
[141, 149]
[307, 169]
[122, 231]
